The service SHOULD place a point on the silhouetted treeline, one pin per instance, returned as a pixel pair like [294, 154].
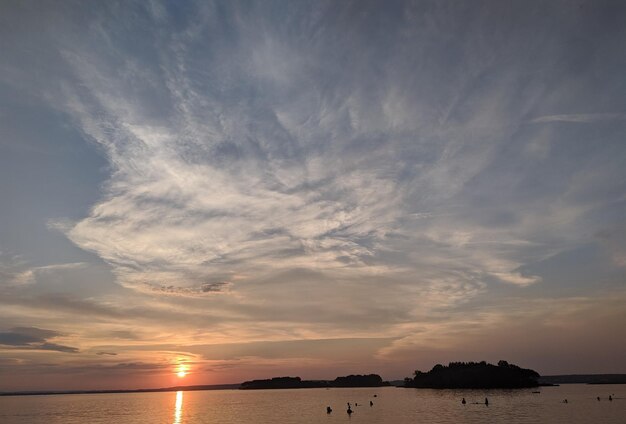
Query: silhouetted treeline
[371, 380]
[474, 375]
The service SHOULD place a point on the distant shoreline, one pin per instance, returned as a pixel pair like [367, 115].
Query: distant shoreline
[584, 379]
[113, 391]
[544, 381]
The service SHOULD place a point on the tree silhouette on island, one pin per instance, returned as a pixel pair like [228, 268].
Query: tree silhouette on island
[370, 380]
[474, 375]
[457, 375]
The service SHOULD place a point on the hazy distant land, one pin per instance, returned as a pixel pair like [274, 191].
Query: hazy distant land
[161, 389]
[584, 379]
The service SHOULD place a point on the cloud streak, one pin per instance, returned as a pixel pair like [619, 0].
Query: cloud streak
[27, 338]
[583, 118]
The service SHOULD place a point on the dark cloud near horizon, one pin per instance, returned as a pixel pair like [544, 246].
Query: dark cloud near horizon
[205, 288]
[33, 338]
[92, 369]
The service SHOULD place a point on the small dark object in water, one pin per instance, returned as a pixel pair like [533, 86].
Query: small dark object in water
[371, 403]
[349, 411]
[536, 391]
[486, 402]
[610, 397]
[463, 401]
[598, 398]
[564, 400]
[375, 395]
[329, 409]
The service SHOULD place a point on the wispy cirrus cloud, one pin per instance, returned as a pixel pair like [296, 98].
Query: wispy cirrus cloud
[581, 117]
[15, 270]
[316, 185]
[214, 185]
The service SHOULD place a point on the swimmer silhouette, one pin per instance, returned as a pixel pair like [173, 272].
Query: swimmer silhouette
[486, 402]
[349, 411]
[371, 403]
[463, 401]
[329, 409]
[610, 397]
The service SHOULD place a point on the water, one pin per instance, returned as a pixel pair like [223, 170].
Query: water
[392, 405]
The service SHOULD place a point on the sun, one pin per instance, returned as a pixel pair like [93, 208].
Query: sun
[181, 370]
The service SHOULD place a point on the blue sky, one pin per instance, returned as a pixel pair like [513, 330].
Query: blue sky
[268, 188]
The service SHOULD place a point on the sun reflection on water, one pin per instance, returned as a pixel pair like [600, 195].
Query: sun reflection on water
[178, 409]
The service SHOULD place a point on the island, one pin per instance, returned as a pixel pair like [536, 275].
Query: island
[474, 375]
[370, 380]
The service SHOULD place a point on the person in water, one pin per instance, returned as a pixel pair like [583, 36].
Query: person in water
[463, 401]
[371, 403]
[349, 411]
[329, 409]
[486, 402]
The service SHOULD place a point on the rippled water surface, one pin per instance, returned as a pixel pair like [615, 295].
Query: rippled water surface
[392, 405]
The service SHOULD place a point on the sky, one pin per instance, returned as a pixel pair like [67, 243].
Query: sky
[253, 189]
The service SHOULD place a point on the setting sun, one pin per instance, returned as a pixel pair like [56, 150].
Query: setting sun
[181, 370]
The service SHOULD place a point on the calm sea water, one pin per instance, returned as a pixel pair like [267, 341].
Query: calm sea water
[392, 405]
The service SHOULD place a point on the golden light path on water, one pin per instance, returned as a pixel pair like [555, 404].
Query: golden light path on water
[178, 409]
